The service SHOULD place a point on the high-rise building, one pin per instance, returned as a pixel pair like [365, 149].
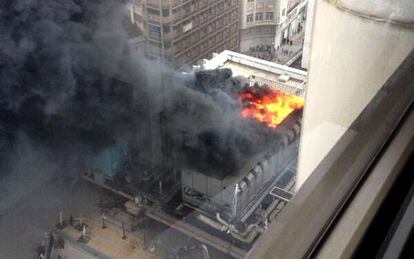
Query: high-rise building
[269, 22]
[186, 31]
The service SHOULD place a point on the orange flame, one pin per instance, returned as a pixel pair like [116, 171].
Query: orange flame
[269, 105]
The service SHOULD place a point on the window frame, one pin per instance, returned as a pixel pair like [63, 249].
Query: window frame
[249, 18]
[258, 17]
[270, 16]
[306, 219]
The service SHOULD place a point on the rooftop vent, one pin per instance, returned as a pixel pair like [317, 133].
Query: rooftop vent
[284, 78]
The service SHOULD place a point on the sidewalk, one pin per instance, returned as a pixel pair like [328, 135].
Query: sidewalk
[287, 51]
[284, 54]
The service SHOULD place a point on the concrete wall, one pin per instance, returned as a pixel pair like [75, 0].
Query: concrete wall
[353, 53]
[308, 33]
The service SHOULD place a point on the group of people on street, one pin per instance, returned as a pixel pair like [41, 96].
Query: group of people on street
[266, 52]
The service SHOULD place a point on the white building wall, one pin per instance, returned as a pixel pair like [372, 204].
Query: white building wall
[308, 34]
[281, 26]
[258, 32]
[351, 59]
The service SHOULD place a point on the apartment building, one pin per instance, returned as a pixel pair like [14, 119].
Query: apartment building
[269, 22]
[186, 31]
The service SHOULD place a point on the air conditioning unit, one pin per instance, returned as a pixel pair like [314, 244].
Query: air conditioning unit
[284, 78]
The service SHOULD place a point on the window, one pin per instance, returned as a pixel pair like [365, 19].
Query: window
[269, 16]
[153, 11]
[201, 127]
[167, 44]
[165, 12]
[166, 28]
[154, 31]
[345, 176]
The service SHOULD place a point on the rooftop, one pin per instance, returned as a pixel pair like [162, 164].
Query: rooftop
[259, 71]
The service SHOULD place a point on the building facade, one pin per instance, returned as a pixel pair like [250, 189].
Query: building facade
[186, 31]
[269, 22]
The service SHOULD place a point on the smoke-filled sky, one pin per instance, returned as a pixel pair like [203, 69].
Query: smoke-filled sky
[58, 61]
[69, 84]
[55, 57]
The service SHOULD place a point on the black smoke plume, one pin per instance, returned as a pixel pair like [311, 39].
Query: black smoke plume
[207, 129]
[70, 84]
[58, 61]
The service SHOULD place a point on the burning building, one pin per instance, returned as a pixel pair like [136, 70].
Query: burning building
[273, 96]
[218, 175]
[235, 197]
[190, 148]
